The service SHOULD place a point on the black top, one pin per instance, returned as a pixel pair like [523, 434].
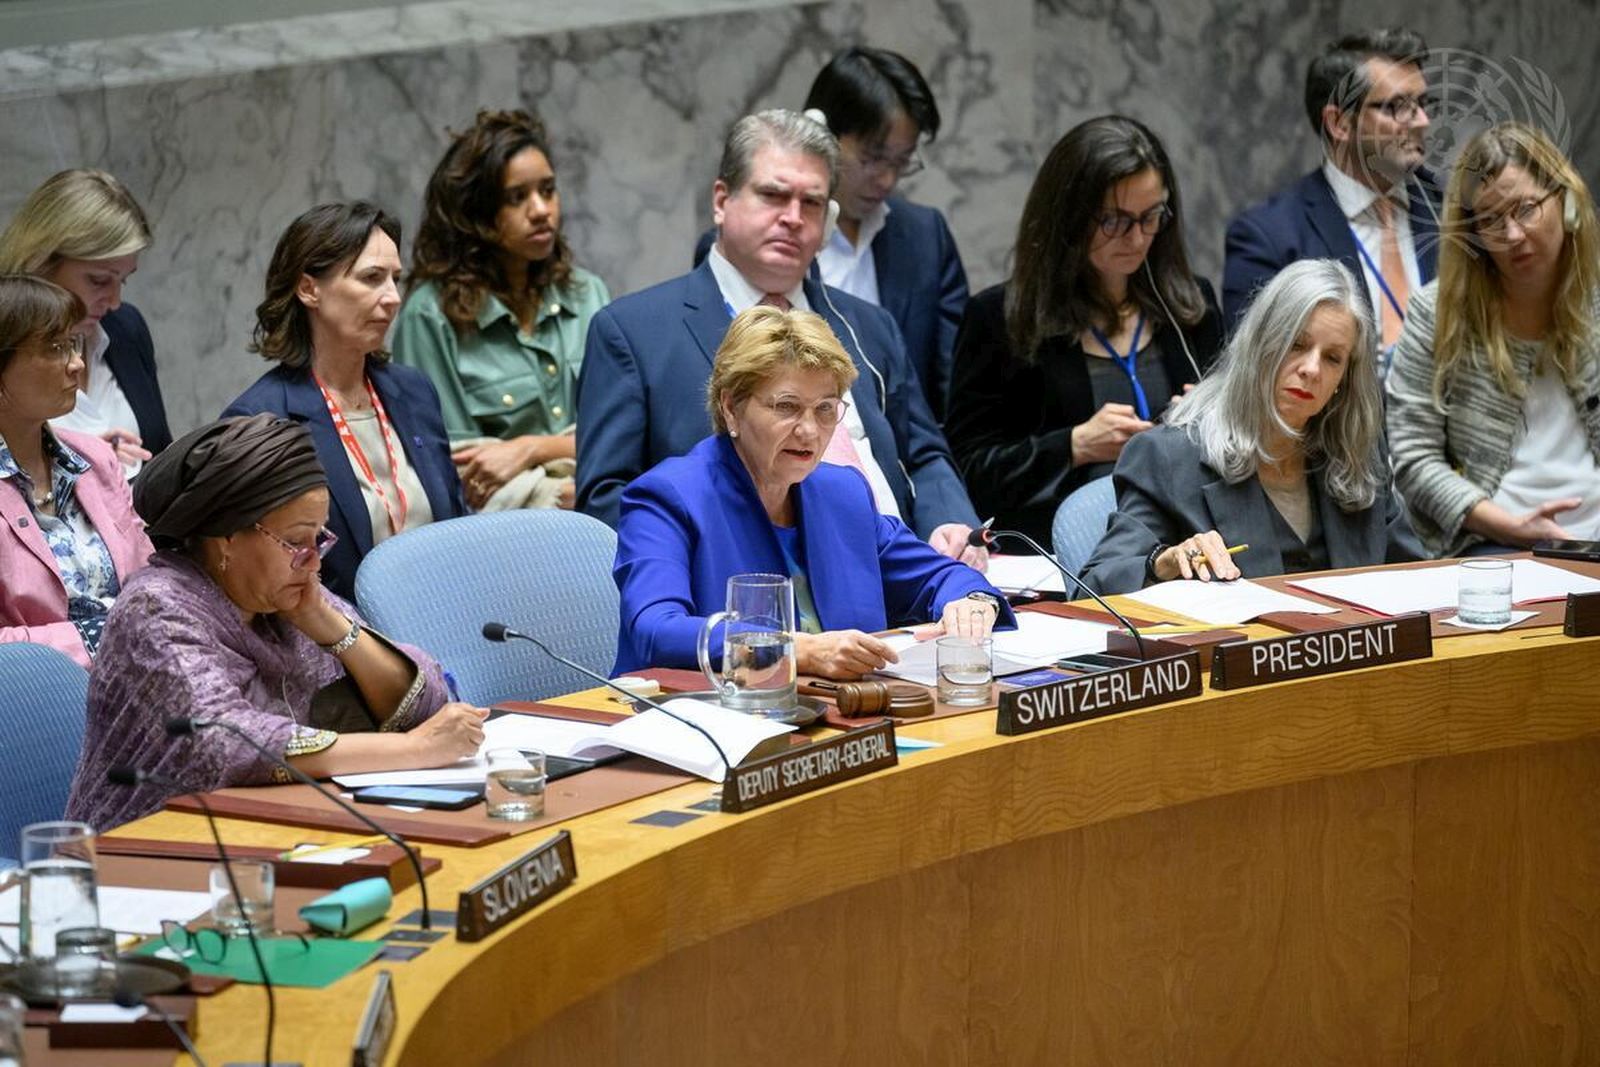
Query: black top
[1010, 423]
[131, 357]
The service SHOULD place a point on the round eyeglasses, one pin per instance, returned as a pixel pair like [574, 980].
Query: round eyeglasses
[1119, 223]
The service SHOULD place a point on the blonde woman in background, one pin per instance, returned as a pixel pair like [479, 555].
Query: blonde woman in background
[1494, 398]
[83, 230]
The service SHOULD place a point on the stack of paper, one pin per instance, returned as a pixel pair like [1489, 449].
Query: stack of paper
[1223, 603]
[1394, 592]
[125, 909]
[1039, 639]
[1024, 574]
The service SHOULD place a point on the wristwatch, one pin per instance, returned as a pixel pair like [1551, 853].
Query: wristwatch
[341, 646]
[987, 599]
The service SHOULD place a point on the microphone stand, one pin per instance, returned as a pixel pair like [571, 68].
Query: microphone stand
[984, 535]
[136, 776]
[132, 998]
[499, 631]
[182, 726]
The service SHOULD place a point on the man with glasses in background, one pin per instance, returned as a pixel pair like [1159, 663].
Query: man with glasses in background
[1371, 205]
[886, 250]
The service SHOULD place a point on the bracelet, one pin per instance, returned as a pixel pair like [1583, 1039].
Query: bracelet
[1150, 574]
[341, 646]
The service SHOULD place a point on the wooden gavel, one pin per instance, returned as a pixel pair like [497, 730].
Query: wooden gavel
[857, 700]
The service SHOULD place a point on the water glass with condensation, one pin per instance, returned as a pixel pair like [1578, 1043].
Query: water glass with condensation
[966, 670]
[514, 789]
[1484, 592]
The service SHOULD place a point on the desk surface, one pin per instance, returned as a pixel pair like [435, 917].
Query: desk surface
[1395, 864]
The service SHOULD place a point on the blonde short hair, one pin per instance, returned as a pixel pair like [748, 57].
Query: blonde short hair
[762, 342]
[76, 214]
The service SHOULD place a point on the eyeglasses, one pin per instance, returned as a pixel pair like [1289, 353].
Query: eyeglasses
[1524, 213]
[826, 412]
[300, 555]
[66, 349]
[1404, 107]
[878, 163]
[1118, 223]
[209, 943]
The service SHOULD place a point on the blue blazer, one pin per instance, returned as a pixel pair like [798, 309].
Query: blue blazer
[1304, 221]
[642, 396]
[694, 521]
[921, 284]
[131, 358]
[413, 407]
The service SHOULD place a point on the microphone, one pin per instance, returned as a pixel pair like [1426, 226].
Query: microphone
[499, 631]
[125, 775]
[184, 726]
[132, 998]
[983, 535]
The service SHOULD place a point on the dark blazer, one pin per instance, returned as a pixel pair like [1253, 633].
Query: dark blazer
[132, 359]
[1010, 423]
[1166, 492]
[921, 284]
[413, 407]
[694, 521]
[642, 396]
[1304, 221]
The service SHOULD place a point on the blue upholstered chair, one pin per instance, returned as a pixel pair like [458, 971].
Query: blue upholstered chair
[1080, 522]
[45, 696]
[546, 573]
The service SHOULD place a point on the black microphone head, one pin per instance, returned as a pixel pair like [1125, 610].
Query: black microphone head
[979, 537]
[495, 631]
[127, 998]
[122, 774]
[180, 726]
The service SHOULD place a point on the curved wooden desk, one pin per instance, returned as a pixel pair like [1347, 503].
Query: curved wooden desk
[1395, 865]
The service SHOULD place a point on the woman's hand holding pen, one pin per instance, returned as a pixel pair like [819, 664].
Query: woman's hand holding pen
[1203, 556]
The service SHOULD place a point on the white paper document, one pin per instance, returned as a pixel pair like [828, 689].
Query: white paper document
[1392, 592]
[1223, 603]
[1039, 640]
[553, 737]
[1024, 574]
[125, 909]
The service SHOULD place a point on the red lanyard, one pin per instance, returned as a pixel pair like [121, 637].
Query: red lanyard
[353, 446]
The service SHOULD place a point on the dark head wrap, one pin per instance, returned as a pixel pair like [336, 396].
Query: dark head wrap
[223, 477]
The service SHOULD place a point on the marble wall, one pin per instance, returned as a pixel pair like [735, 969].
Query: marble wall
[223, 162]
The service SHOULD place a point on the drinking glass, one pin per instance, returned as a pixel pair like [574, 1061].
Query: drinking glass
[1484, 592]
[966, 670]
[758, 664]
[253, 908]
[514, 789]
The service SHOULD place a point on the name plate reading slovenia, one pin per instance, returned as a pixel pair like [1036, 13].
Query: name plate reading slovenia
[1241, 664]
[800, 770]
[1070, 700]
[518, 887]
[1583, 615]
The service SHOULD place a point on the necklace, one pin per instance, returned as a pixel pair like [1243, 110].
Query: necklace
[44, 501]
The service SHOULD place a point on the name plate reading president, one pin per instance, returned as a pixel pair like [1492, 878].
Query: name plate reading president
[1155, 681]
[1241, 664]
[800, 770]
[518, 887]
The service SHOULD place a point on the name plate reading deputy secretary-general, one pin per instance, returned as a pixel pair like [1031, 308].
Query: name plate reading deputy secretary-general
[800, 770]
[1090, 696]
[1241, 664]
[518, 887]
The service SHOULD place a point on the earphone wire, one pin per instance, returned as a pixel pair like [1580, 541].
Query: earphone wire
[1156, 289]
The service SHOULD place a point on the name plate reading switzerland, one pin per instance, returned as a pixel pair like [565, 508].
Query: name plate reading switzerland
[1241, 664]
[1583, 615]
[518, 887]
[1090, 696]
[800, 770]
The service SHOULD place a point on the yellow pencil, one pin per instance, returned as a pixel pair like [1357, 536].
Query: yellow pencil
[360, 842]
[1236, 549]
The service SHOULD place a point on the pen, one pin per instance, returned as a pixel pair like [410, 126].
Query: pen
[1236, 549]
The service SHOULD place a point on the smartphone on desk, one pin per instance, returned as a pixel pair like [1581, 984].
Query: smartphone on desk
[439, 798]
[1586, 551]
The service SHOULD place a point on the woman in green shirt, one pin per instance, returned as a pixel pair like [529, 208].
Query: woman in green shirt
[497, 314]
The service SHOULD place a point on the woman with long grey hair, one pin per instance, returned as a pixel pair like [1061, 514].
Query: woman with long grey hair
[1279, 448]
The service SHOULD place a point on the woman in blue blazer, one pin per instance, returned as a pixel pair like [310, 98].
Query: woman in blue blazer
[331, 294]
[753, 498]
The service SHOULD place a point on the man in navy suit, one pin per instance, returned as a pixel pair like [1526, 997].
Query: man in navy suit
[642, 389]
[1370, 205]
[887, 250]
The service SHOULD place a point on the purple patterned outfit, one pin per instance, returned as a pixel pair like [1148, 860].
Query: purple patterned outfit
[175, 645]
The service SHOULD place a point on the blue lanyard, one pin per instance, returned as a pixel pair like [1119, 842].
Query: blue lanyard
[1378, 274]
[1140, 403]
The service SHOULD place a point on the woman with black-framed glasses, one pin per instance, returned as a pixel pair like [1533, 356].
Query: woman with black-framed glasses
[71, 536]
[230, 624]
[1100, 326]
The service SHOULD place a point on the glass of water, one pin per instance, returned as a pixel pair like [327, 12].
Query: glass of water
[253, 908]
[514, 789]
[1484, 592]
[58, 888]
[966, 670]
[12, 1014]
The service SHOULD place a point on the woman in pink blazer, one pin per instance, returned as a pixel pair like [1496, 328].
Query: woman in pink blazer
[71, 535]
